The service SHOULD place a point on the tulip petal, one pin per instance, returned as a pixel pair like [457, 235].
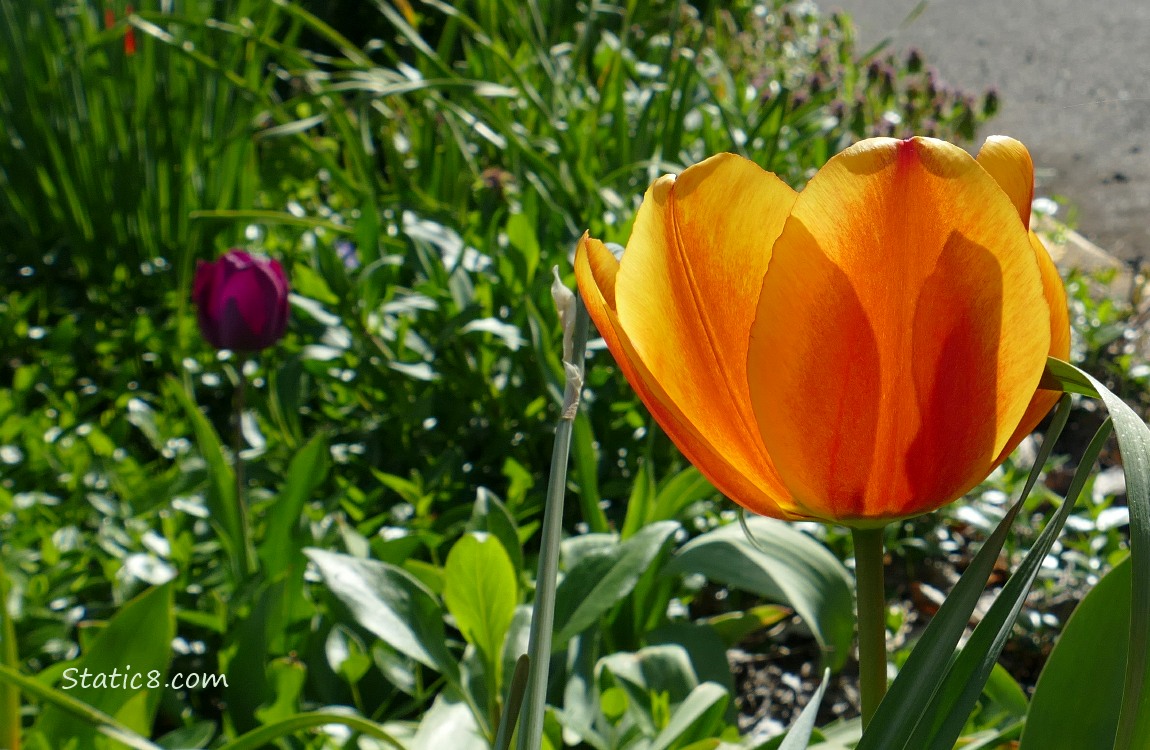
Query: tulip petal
[887, 392]
[1043, 401]
[1009, 163]
[596, 270]
[676, 313]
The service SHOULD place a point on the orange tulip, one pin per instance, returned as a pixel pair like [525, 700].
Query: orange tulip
[864, 350]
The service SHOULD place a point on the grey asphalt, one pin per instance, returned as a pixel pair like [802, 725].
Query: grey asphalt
[1074, 76]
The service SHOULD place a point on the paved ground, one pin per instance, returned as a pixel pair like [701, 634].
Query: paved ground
[1075, 82]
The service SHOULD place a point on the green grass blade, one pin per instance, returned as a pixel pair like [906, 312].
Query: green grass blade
[258, 216]
[920, 677]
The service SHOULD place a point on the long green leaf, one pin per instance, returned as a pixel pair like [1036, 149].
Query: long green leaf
[942, 721]
[1134, 442]
[307, 471]
[920, 677]
[9, 657]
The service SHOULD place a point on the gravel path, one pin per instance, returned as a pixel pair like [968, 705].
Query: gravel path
[1075, 83]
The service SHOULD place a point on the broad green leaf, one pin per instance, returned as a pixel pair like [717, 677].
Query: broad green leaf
[135, 643]
[480, 591]
[704, 647]
[391, 604]
[613, 703]
[307, 471]
[601, 579]
[1091, 651]
[580, 693]
[924, 670]
[785, 566]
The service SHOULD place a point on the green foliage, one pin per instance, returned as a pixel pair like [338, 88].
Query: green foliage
[1064, 714]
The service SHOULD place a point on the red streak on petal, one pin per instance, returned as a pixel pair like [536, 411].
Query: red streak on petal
[907, 153]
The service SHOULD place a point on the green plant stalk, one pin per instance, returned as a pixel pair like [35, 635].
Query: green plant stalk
[543, 610]
[871, 599]
[10, 657]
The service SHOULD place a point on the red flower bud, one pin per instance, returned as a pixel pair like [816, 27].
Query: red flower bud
[241, 301]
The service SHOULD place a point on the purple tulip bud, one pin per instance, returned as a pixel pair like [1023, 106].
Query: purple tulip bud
[241, 301]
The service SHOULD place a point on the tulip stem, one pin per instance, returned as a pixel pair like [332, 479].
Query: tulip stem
[240, 403]
[871, 600]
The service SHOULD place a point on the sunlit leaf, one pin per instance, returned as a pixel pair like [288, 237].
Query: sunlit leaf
[480, 591]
